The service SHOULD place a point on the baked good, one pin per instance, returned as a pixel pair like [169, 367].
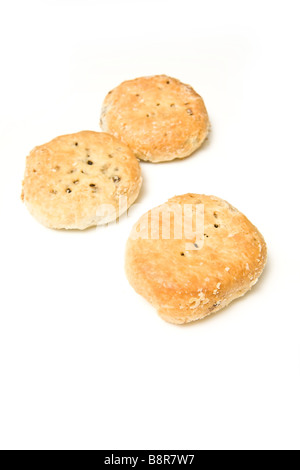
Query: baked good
[80, 180]
[187, 277]
[158, 117]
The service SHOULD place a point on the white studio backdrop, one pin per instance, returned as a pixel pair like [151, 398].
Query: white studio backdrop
[85, 362]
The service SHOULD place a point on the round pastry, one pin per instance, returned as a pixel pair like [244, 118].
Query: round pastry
[80, 180]
[193, 256]
[158, 117]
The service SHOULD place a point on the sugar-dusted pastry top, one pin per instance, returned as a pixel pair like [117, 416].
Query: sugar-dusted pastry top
[187, 279]
[76, 181]
[159, 117]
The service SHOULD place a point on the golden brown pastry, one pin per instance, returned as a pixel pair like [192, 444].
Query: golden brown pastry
[80, 180]
[218, 258]
[158, 117]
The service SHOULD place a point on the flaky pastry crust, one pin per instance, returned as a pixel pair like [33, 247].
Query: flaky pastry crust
[158, 117]
[76, 181]
[186, 285]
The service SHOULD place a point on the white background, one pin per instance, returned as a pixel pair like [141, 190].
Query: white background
[84, 361]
